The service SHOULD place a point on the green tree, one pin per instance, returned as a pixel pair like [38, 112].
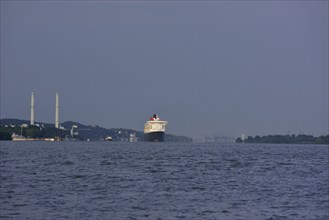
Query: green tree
[5, 136]
[33, 132]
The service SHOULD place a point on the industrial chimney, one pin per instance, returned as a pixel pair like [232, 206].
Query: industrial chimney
[32, 108]
[57, 111]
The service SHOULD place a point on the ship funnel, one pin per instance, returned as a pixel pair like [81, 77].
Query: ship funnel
[32, 108]
[57, 111]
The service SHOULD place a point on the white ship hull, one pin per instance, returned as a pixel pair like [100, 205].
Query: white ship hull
[154, 130]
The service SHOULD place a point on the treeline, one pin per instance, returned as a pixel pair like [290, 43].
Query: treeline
[286, 139]
[31, 131]
[81, 132]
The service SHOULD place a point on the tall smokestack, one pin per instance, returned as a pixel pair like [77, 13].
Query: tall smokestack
[57, 111]
[32, 108]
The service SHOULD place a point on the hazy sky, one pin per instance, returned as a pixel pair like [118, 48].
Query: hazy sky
[248, 67]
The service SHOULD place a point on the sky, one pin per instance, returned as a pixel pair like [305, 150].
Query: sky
[207, 67]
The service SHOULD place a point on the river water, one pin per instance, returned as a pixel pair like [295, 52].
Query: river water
[117, 180]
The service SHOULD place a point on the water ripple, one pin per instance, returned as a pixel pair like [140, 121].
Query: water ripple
[98, 180]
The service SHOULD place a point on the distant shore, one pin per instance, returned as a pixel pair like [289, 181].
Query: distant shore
[286, 139]
[16, 129]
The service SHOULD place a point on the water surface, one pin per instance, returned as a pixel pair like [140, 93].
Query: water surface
[117, 180]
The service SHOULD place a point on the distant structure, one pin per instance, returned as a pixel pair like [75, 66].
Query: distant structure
[132, 137]
[223, 138]
[243, 137]
[73, 131]
[57, 111]
[32, 108]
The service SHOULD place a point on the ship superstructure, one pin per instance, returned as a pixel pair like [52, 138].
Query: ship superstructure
[154, 129]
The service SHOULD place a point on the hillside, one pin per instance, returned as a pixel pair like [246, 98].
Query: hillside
[74, 130]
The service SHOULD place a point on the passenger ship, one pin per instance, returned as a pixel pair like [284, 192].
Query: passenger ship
[154, 129]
